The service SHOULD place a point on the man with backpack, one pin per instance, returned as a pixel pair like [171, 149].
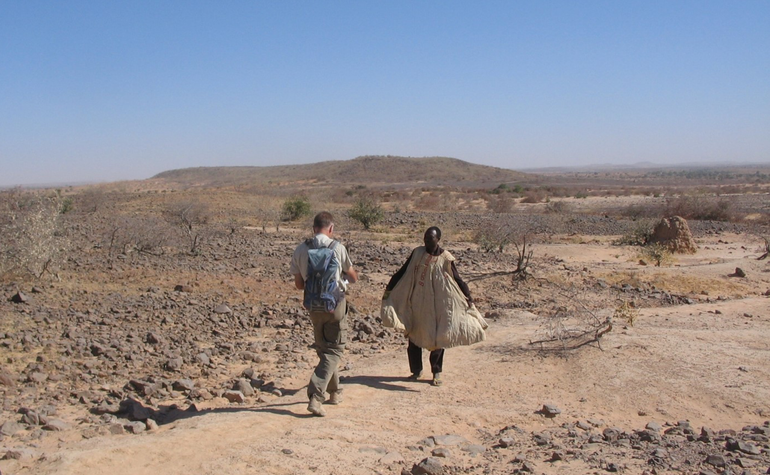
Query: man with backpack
[322, 268]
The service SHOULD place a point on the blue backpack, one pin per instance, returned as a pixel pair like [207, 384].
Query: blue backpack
[322, 292]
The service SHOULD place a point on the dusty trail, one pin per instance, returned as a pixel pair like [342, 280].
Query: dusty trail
[676, 363]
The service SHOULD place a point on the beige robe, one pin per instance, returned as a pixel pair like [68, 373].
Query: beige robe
[429, 306]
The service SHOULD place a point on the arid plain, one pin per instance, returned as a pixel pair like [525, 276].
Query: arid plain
[152, 326]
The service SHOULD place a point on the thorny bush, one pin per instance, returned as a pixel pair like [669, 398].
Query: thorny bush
[31, 240]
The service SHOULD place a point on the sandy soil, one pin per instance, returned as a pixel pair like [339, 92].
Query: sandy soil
[708, 363]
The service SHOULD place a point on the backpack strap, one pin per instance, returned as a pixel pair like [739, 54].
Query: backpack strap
[310, 243]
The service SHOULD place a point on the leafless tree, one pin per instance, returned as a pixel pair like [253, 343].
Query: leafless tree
[573, 319]
[90, 200]
[31, 239]
[145, 235]
[523, 254]
[192, 217]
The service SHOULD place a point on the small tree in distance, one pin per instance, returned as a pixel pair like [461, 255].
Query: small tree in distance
[191, 217]
[295, 208]
[366, 211]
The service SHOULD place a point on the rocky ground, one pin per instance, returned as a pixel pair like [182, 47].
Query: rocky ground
[197, 362]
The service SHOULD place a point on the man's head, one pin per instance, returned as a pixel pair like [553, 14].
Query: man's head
[323, 223]
[431, 238]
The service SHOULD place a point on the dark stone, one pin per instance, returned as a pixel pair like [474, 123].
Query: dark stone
[234, 396]
[174, 364]
[19, 297]
[442, 452]
[428, 466]
[549, 410]
[717, 460]
[183, 385]
[136, 427]
[153, 338]
[134, 410]
[56, 425]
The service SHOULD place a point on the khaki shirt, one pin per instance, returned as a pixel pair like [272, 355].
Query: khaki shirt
[299, 259]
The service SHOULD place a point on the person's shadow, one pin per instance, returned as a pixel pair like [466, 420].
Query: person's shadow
[379, 382]
[168, 414]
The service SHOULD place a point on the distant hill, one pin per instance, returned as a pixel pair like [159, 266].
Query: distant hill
[366, 170]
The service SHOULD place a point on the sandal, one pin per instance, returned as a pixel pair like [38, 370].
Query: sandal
[437, 381]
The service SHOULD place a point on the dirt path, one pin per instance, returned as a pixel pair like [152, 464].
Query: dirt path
[682, 363]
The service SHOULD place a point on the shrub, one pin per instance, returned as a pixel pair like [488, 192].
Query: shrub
[428, 203]
[295, 208]
[639, 236]
[646, 210]
[493, 238]
[366, 211]
[502, 204]
[702, 208]
[145, 235]
[627, 312]
[657, 253]
[30, 241]
[557, 207]
[66, 205]
[501, 188]
[191, 217]
[533, 196]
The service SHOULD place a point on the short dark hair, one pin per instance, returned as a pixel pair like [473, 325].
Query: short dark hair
[434, 228]
[323, 220]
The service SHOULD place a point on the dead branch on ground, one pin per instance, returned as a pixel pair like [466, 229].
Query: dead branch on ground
[767, 250]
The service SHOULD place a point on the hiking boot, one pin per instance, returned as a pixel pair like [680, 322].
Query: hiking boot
[414, 376]
[315, 408]
[437, 381]
[335, 398]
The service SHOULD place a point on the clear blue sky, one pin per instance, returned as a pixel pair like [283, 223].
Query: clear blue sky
[110, 90]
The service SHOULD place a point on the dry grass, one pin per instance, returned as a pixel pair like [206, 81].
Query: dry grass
[679, 283]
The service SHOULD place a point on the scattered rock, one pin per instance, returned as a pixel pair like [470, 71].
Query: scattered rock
[244, 387]
[234, 396]
[174, 364]
[183, 385]
[19, 297]
[6, 379]
[442, 452]
[449, 439]
[549, 410]
[56, 425]
[717, 460]
[136, 427]
[428, 466]
[222, 309]
[391, 458]
[653, 426]
[9, 428]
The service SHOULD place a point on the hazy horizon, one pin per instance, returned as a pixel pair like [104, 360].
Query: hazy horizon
[101, 92]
